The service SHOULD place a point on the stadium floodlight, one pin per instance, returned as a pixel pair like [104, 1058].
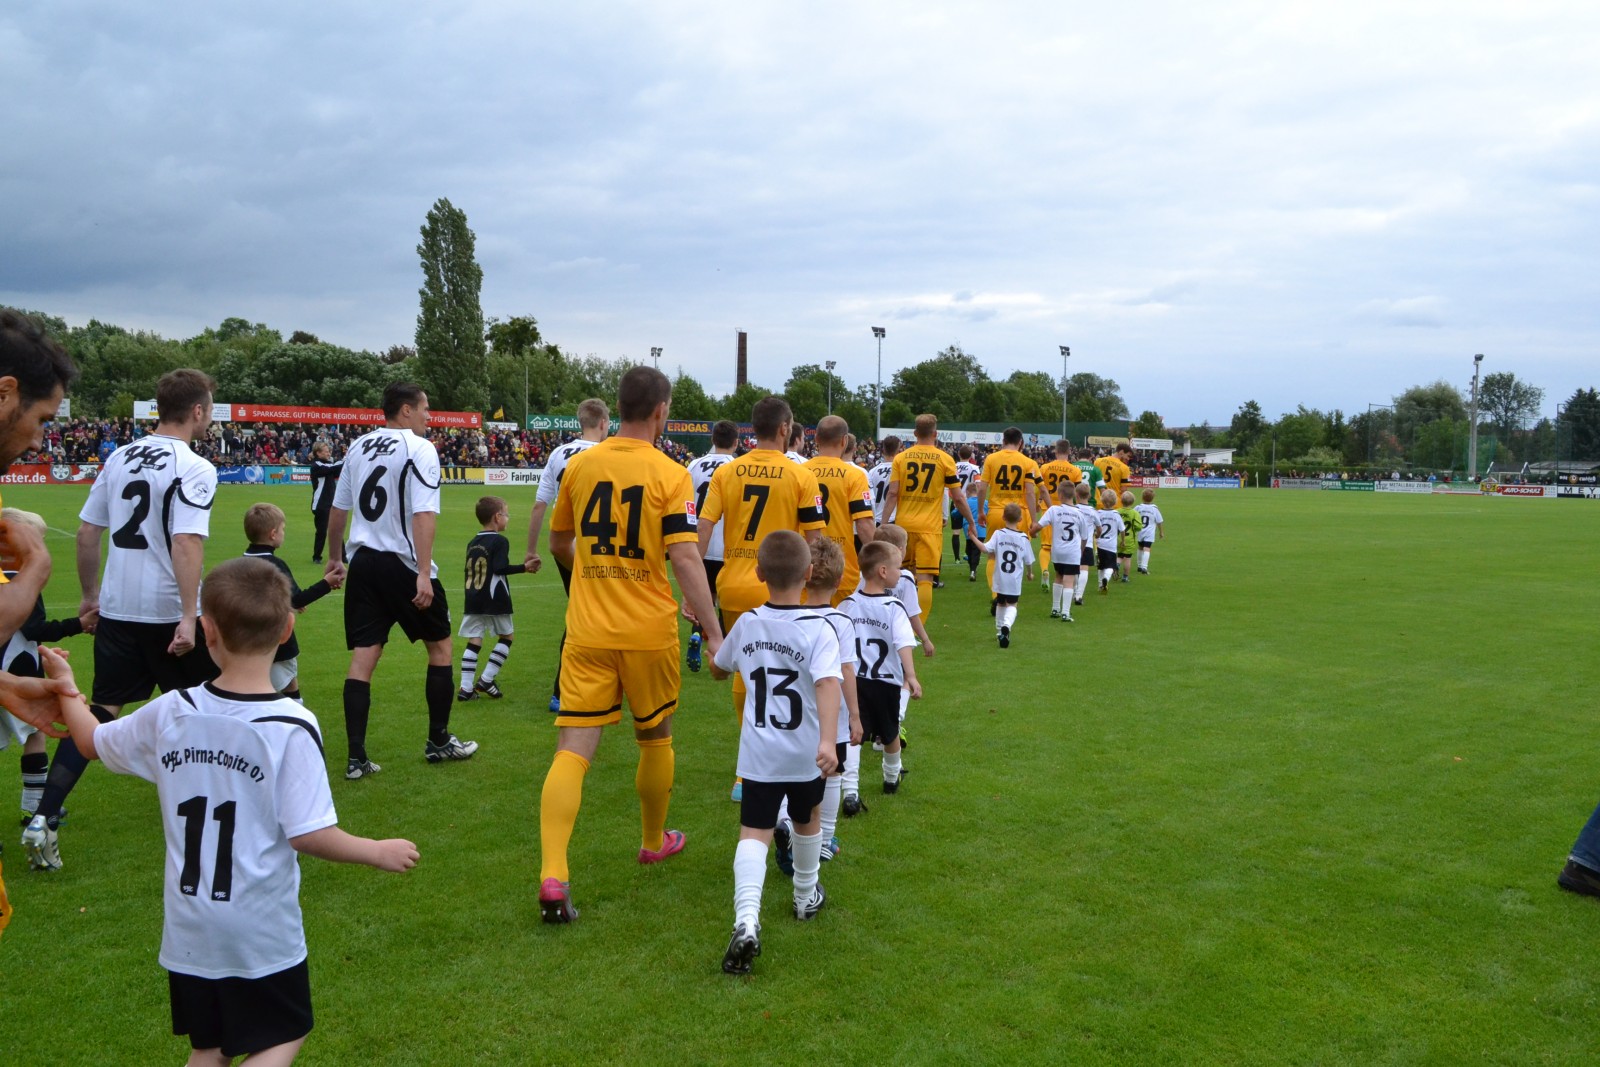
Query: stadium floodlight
[1472, 441]
[879, 332]
[829, 365]
[1066, 354]
[655, 356]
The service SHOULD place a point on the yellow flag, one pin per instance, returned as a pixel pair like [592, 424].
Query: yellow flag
[499, 413]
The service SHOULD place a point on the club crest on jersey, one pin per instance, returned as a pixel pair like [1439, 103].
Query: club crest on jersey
[378, 445]
[146, 458]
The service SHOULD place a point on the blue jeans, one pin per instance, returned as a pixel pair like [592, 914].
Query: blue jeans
[1586, 850]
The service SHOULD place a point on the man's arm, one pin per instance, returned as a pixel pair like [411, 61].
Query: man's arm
[336, 521]
[689, 568]
[865, 530]
[423, 526]
[188, 561]
[563, 546]
[89, 567]
[535, 525]
[955, 493]
[891, 498]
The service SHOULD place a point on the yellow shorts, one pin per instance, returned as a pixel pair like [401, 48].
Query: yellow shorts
[996, 519]
[595, 680]
[924, 551]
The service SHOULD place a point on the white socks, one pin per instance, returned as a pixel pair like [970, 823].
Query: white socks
[828, 813]
[749, 875]
[1144, 559]
[1005, 615]
[905, 699]
[1055, 597]
[1082, 583]
[891, 774]
[850, 780]
[807, 862]
[497, 659]
[1106, 573]
[469, 668]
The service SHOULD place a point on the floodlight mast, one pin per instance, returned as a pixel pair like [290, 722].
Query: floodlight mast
[655, 356]
[1066, 354]
[879, 332]
[829, 365]
[1472, 442]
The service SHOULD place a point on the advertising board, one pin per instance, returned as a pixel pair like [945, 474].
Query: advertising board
[1215, 483]
[1403, 487]
[503, 476]
[1348, 486]
[1297, 483]
[1524, 490]
[50, 474]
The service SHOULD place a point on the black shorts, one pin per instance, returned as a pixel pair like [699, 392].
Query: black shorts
[1124, 555]
[131, 660]
[999, 598]
[1107, 558]
[880, 709]
[1066, 569]
[759, 802]
[1088, 557]
[242, 1015]
[377, 595]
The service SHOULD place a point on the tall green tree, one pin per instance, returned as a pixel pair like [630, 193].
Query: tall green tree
[941, 385]
[1422, 404]
[1148, 424]
[1578, 431]
[1247, 427]
[1506, 402]
[1091, 398]
[451, 354]
[316, 374]
[1033, 396]
[689, 399]
[738, 404]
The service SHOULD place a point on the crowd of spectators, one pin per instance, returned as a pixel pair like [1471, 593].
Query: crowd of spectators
[91, 440]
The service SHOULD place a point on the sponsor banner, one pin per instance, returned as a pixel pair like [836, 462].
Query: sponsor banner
[50, 474]
[694, 426]
[1578, 492]
[357, 416]
[1297, 483]
[1523, 490]
[499, 427]
[568, 423]
[146, 409]
[1403, 487]
[1169, 482]
[1108, 442]
[264, 474]
[1348, 486]
[65, 410]
[1565, 479]
[504, 476]
[1152, 444]
[462, 475]
[1215, 483]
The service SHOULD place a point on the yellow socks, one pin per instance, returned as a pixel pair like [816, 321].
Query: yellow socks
[653, 781]
[925, 598]
[558, 812]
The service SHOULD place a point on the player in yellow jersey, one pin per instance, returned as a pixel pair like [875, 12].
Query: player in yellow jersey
[1009, 477]
[761, 491]
[846, 500]
[1052, 474]
[1114, 469]
[922, 478]
[624, 508]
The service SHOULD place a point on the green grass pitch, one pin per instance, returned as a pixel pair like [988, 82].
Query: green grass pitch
[1298, 797]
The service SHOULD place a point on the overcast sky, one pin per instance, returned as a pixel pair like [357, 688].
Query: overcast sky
[1296, 203]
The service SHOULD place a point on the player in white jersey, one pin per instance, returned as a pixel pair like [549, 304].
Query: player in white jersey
[797, 440]
[155, 496]
[827, 566]
[1070, 530]
[883, 658]
[1013, 553]
[243, 788]
[389, 491]
[790, 657]
[594, 425]
[724, 439]
[1108, 525]
[967, 473]
[1151, 529]
[878, 479]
